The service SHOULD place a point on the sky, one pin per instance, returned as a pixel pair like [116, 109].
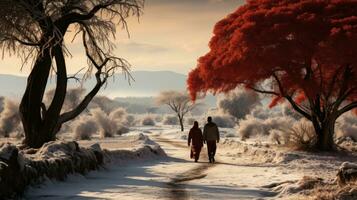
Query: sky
[171, 35]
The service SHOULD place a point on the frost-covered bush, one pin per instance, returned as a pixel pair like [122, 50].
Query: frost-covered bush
[104, 103]
[130, 120]
[84, 128]
[10, 119]
[107, 127]
[346, 126]
[238, 103]
[110, 124]
[278, 136]
[159, 118]
[148, 121]
[301, 136]
[119, 115]
[224, 121]
[170, 120]
[252, 126]
[281, 110]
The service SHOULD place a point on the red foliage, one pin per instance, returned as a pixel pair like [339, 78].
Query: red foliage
[307, 44]
[275, 101]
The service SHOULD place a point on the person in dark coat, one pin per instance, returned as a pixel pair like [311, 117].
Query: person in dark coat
[211, 137]
[195, 136]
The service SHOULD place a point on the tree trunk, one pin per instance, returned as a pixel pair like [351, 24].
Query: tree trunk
[181, 124]
[31, 103]
[325, 135]
[39, 124]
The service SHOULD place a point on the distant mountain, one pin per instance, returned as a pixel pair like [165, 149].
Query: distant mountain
[12, 86]
[146, 83]
[138, 97]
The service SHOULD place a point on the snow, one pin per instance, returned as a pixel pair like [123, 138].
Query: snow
[241, 171]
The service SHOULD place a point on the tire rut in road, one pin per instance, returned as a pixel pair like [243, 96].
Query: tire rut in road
[177, 187]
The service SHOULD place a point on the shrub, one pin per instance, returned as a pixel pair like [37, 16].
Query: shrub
[10, 118]
[148, 121]
[118, 115]
[158, 118]
[252, 126]
[277, 136]
[130, 120]
[302, 136]
[224, 121]
[84, 129]
[107, 128]
[122, 129]
[346, 126]
[170, 120]
[249, 127]
[238, 103]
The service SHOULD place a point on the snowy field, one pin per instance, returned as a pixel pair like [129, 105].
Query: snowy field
[241, 171]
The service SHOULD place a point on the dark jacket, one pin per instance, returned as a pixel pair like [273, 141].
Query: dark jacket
[196, 137]
[210, 132]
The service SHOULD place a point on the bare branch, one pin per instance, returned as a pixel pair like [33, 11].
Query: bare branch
[347, 108]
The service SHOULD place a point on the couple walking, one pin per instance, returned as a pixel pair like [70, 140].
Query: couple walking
[210, 136]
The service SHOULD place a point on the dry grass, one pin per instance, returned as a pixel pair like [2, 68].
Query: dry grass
[333, 191]
[301, 136]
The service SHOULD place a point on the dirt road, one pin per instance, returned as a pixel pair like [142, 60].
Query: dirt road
[175, 177]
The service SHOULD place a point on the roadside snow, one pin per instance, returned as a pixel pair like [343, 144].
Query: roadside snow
[241, 172]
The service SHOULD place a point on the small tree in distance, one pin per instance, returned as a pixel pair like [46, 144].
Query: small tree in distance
[179, 102]
[305, 50]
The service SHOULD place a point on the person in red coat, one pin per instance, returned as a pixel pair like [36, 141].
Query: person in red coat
[195, 136]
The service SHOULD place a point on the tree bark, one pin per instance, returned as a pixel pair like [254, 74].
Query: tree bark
[181, 124]
[325, 132]
[40, 124]
[31, 103]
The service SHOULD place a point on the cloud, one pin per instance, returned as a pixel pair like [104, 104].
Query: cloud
[178, 31]
[136, 47]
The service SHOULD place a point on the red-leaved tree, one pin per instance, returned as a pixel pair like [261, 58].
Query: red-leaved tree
[301, 51]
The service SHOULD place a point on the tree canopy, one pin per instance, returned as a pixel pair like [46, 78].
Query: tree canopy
[295, 50]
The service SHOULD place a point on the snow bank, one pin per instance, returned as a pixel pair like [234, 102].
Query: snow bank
[289, 188]
[344, 187]
[145, 149]
[55, 160]
[58, 159]
[263, 153]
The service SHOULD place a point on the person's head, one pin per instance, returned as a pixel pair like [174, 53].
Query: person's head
[195, 124]
[209, 119]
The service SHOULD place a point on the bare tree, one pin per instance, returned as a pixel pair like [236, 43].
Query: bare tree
[179, 102]
[34, 30]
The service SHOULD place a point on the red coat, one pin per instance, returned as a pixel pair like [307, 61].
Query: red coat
[195, 136]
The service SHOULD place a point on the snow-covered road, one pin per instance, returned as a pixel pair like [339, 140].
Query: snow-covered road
[175, 177]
